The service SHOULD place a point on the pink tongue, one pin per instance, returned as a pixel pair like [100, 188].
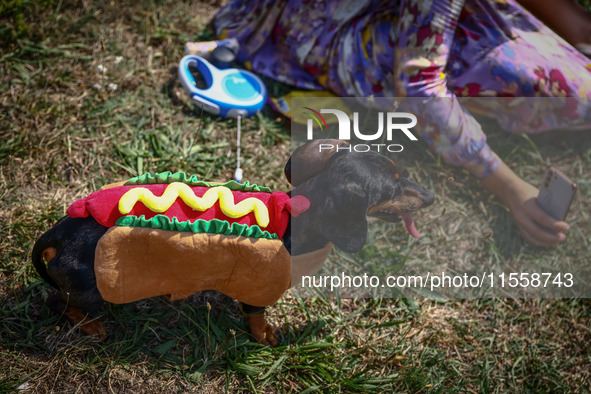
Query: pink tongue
[410, 225]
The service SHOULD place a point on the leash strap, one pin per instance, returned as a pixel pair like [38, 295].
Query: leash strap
[238, 172]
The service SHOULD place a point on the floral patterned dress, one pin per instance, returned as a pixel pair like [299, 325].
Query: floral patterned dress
[417, 48]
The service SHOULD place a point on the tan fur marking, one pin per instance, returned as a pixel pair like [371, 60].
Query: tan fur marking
[48, 254]
[410, 201]
[262, 331]
[90, 327]
[396, 175]
[385, 206]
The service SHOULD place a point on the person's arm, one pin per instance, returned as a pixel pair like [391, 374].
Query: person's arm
[425, 35]
[424, 39]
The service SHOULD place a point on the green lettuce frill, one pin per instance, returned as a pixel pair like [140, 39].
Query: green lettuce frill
[169, 177]
[214, 226]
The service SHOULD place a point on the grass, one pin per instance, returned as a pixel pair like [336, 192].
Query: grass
[64, 133]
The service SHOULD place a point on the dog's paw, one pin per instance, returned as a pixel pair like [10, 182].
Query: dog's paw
[262, 331]
[271, 336]
[93, 328]
[88, 326]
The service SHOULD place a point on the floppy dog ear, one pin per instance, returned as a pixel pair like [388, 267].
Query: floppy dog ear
[310, 159]
[343, 220]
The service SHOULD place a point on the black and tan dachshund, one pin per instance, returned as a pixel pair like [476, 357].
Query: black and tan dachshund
[343, 189]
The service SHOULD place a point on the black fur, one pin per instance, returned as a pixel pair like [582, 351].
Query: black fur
[72, 268]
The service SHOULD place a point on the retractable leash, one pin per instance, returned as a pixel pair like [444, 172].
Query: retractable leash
[230, 93]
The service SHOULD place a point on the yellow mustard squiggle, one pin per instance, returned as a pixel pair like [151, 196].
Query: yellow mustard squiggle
[178, 189]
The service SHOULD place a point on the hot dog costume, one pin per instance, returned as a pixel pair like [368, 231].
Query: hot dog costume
[174, 235]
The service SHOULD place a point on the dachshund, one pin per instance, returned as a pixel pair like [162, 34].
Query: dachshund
[342, 188]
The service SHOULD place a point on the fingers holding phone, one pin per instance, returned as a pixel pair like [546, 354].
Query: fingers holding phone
[521, 197]
[550, 209]
[537, 226]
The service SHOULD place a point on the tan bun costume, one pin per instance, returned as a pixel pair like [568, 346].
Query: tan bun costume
[173, 235]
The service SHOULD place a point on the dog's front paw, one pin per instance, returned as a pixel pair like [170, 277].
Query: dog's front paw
[93, 328]
[262, 331]
[271, 336]
[88, 326]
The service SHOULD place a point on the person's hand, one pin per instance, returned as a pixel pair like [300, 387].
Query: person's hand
[520, 197]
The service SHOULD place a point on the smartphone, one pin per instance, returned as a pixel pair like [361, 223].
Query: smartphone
[556, 193]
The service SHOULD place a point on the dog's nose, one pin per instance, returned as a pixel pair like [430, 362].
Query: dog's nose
[428, 198]
[421, 192]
